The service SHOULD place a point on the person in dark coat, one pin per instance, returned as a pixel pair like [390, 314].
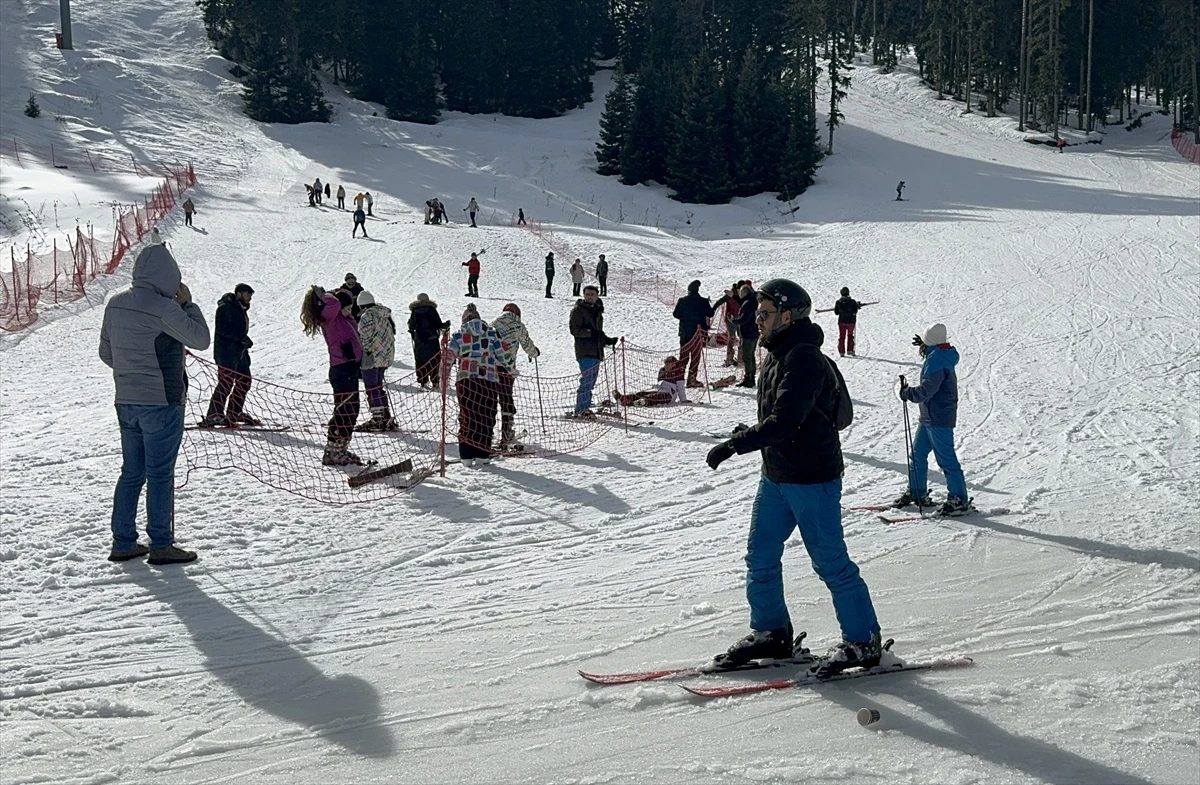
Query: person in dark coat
[587, 326]
[693, 312]
[231, 351]
[549, 274]
[602, 275]
[521, 216]
[425, 326]
[360, 219]
[747, 326]
[846, 309]
[800, 487]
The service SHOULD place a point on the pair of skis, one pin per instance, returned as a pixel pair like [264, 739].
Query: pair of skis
[889, 663]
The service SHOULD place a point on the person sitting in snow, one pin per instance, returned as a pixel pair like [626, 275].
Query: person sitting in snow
[671, 387]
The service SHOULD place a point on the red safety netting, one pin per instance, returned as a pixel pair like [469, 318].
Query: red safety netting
[96, 161]
[1186, 146]
[527, 415]
[64, 272]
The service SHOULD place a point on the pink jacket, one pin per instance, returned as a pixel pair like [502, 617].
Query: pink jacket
[341, 333]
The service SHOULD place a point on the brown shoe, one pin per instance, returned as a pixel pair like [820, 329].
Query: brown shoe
[171, 555]
[136, 552]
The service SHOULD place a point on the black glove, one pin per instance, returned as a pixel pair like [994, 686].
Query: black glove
[917, 340]
[719, 454]
[740, 427]
[610, 341]
[446, 325]
[348, 350]
[247, 342]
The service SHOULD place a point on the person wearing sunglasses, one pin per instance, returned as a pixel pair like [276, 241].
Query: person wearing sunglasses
[800, 487]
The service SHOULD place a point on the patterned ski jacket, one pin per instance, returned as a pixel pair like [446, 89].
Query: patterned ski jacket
[377, 332]
[512, 333]
[478, 351]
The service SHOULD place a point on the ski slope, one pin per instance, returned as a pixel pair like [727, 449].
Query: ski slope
[434, 638]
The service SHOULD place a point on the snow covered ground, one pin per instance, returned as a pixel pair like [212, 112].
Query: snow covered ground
[434, 638]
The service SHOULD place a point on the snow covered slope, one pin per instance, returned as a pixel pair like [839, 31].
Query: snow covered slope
[435, 638]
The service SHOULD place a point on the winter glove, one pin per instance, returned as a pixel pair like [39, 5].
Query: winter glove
[247, 342]
[534, 353]
[917, 340]
[348, 350]
[446, 325]
[610, 341]
[740, 427]
[719, 454]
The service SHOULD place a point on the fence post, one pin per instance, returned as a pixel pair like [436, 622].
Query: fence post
[16, 291]
[53, 162]
[624, 384]
[56, 271]
[89, 157]
[443, 372]
[17, 153]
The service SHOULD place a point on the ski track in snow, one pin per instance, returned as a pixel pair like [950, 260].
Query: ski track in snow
[434, 637]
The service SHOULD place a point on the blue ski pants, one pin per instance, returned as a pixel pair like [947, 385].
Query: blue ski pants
[589, 369]
[779, 508]
[941, 442]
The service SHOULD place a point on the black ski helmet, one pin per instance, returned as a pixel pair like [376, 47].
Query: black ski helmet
[787, 296]
[845, 291]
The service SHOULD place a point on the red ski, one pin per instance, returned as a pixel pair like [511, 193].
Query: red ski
[801, 661]
[896, 666]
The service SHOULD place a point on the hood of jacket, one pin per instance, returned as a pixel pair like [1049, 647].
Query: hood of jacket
[156, 269]
[939, 358]
[415, 304]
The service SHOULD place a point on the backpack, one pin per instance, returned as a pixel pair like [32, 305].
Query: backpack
[843, 408]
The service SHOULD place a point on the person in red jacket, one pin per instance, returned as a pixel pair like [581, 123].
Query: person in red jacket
[472, 266]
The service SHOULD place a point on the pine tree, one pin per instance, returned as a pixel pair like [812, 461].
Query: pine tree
[802, 153]
[697, 166]
[31, 107]
[758, 127]
[615, 123]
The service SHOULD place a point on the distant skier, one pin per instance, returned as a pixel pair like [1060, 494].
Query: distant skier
[800, 487]
[1060, 143]
[425, 327]
[693, 312]
[317, 190]
[937, 396]
[513, 333]
[549, 274]
[189, 208]
[341, 197]
[370, 204]
[360, 219]
[331, 316]
[472, 208]
[521, 216]
[231, 351]
[847, 309]
[602, 275]
[377, 333]
[899, 191]
[312, 198]
[360, 200]
[577, 273]
[326, 190]
[472, 266]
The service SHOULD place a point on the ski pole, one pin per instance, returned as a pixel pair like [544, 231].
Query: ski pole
[537, 377]
[908, 456]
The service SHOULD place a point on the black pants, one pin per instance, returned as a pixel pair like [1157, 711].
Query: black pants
[691, 351]
[341, 203]
[549, 284]
[504, 395]
[356, 225]
[575, 288]
[187, 218]
[473, 219]
[604, 286]
[476, 417]
[472, 285]
[232, 386]
[343, 377]
[521, 221]
[425, 353]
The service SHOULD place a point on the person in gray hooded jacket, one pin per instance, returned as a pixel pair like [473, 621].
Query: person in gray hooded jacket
[142, 340]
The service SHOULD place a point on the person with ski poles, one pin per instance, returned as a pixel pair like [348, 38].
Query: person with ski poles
[472, 208]
[847, 309]
[800, 487]
[937, 397]
[360, 220]
[472, 266]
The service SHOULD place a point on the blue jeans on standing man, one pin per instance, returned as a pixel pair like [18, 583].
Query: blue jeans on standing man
[589, 369]
[150, 437]
[779, 508]
[941, 442]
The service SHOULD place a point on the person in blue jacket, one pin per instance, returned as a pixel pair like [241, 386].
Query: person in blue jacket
[937, 396]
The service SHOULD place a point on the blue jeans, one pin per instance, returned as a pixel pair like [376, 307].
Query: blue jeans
[941, 441]
[589, 369]
[817, 510]
[150, 437]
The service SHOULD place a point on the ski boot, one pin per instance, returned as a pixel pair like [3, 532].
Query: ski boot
[337, 453]
[955, 506]
[213, 421]
[908, 497]
[849, 654]
[773, 644]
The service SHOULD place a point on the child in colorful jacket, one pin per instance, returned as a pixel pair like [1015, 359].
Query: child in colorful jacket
[377, 332]
[478, 353]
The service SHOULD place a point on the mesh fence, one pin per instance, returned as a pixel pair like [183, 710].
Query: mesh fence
[1186, 146]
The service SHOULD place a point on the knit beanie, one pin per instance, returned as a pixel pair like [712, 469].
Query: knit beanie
[934, 335]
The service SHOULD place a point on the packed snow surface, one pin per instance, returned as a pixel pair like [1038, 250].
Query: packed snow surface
[434, 638]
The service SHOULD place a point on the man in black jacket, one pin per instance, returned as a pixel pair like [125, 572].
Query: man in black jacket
[425, 326]
[549, 274]
[693, 312]
[748, 331]
[231, 351]
[587, 326]
[800, 486]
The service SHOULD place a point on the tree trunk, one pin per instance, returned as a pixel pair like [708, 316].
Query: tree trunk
[1023, 68]
[1195, 94]
[1091, 28]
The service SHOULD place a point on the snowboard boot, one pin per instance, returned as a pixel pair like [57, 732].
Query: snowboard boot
[848, 654]
[955, 506]
[773, 644]
[908, 497]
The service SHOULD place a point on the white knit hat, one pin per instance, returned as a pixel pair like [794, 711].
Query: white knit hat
[365, 298]
[934, 335]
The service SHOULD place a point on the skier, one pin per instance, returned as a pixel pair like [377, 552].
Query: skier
[231, 351]
[370, 204]
[425, 326]
[472, 208]
[377, 332]
[142, 338]
[331, 315]
[312, 199]
[341, 197]
[670, 387]
[317, 190]
[577, 273]
[472, 266]
[587, 326]
[847, 309]
[439, 212]
[731, 301]
[747, 325]
[1060, 143]
[693, 312]
[326, 190]
[513, 333]
[899, 189]
[602, 275]
[549, 274]
[359, 200]
[360, 219]
[800, 486]
[189, 208]
[521, 216]
[479, 355]
[937, 397]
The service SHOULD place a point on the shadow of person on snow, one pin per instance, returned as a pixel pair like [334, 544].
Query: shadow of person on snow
[973, 735]
[902, 471]
[268, 673]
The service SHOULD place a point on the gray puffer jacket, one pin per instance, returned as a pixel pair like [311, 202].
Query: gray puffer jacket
[145, 331]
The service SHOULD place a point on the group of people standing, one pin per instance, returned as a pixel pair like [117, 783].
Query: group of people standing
[578, 275]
